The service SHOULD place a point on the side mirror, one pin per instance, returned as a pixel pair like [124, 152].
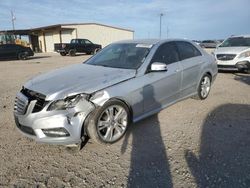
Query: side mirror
[158, 66]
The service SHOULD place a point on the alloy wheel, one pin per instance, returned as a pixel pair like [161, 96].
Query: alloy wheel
[205, 86]
[112, 123]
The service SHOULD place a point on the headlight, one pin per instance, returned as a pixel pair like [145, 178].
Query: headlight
[69, 102]
[244, 54]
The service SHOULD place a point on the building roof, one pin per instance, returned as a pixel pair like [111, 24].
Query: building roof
[16, 32]
[27, 31]
[72, 24]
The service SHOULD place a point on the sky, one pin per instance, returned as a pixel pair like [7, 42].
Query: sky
[191, 19]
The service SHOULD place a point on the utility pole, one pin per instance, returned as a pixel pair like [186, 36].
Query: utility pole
[161, 14]
[167, 32]
[13, 18]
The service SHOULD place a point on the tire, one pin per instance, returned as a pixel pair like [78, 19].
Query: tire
[104, 128]
[247, 71]
[72, 52]
[96, 50]
[22, 56]
[63, 53]
[204, 87]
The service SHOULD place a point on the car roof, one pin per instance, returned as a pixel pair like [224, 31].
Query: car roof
[245, 36]
[151, 41]
[10, 45]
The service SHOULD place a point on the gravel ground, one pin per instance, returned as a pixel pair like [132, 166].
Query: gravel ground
[190, 144]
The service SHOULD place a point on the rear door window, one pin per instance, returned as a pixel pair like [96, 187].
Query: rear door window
[187, 50]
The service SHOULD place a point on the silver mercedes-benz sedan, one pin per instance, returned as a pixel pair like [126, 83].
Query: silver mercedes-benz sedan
[123, 83]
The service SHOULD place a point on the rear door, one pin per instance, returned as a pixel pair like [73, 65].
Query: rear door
[77, 45]
[191, 62]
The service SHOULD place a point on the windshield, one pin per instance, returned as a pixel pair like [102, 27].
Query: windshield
[236, 41]
[121, 55]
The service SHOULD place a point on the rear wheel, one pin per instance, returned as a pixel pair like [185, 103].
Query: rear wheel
[72, 52]
[22, 56]
[204, 87]
[63, 53]
[109, 123]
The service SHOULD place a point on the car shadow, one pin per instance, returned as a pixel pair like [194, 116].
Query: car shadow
[224, 156]
[245, 78]
[29, 58]
[38, 57]
[149, 166]
[82, 54]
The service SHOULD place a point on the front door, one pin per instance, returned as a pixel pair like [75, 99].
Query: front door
[163, 88]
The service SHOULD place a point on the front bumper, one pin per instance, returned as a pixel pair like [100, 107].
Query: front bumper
[234, 65]
[36, 125]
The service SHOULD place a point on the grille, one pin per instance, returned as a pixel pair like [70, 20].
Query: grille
[21, 104]
[32, 95]
[225, 57]
[227, 66]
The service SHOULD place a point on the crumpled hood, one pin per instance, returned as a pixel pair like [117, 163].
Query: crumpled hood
[230, 50]
[79, 78]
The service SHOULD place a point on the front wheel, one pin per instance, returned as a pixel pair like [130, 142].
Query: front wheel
[109, 123]
[204, 87]
[22, 56]
[96, 50]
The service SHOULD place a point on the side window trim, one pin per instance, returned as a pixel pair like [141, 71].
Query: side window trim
[193, 48]
[170, 42]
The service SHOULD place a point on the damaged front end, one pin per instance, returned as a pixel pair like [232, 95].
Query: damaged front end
[55, 122]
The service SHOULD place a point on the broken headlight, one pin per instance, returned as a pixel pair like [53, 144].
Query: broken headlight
[69, 102]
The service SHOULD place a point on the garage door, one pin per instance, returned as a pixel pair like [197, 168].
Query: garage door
[49, 42]
[66, 36]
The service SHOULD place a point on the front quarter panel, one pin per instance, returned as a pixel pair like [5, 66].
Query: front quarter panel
[129, 91]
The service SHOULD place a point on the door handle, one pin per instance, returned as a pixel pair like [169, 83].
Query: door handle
[177, 70]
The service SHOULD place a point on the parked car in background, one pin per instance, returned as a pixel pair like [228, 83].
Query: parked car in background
[209, 44]
[196, 42]
[77, 46]
[234, 53]
[15, 51]
[124, 83]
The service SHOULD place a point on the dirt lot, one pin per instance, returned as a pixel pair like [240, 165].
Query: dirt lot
[190, 144]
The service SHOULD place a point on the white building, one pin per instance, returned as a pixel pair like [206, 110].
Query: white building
[63, 33]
